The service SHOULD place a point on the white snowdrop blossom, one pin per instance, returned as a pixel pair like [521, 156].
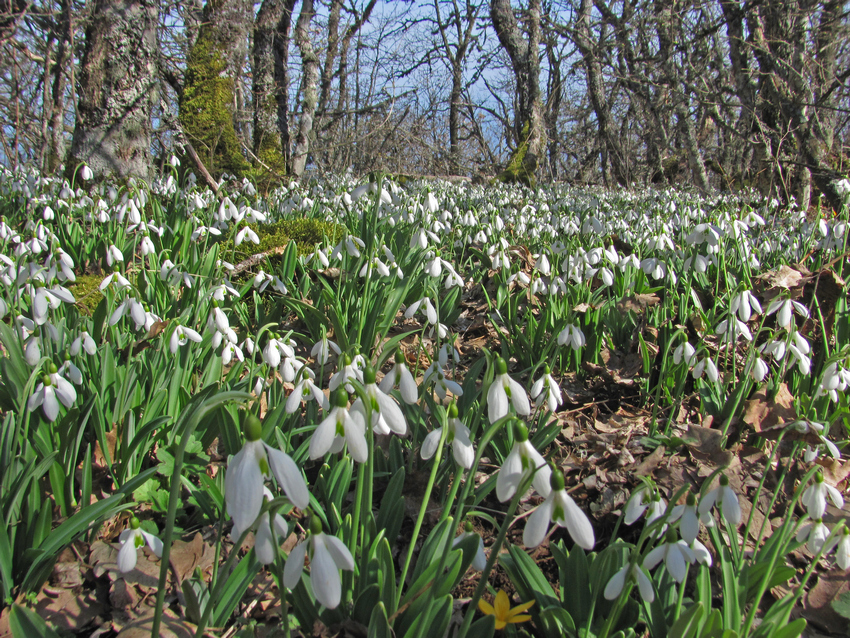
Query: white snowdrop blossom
[322, 349]
[264, 545]
[83, 343]
[814, 533]
[684, 352]
[305, 390]
[338, 429]
[457, 436]
[726, 500]
[559, 508]
[706, 366]
[676, 555]
[784, 308]
[744, 304]
[386, 415]
[52, 389]
[630, 572]
[327, 555]
[132, 540]
[688, 518]
[572, 335]
[815, 495]
[522, 461]
[503, 392]
[546, 389]
[247, 470]
[181, 336]
[399, 376]
[842, 550]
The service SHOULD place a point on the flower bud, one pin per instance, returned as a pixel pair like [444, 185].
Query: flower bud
[252, 428]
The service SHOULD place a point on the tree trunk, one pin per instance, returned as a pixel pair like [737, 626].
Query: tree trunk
[309, 85]
[208, 102]
[267, 142]
[65, 39]
[117, 89]
[529, 128]
[281, 78]
[597, 95]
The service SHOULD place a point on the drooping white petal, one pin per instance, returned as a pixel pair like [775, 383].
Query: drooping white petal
[644, 585]
[577, 523]
[497, 401]
[509, 475]
[654, 557]
[294, 565]
[263, 545]
[730, 506]
[616, 584]
[339, 552]
[153, 542]
[127, 555]
[675, 563]
[324, 575]
[355, 437]
[289, 477]
[243, 483]
[430, 444]
[323, 436]
[538, 523]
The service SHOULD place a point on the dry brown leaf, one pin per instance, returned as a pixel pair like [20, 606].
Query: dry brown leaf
[637, 303]
[185, 557]
[817, 603]
[765, 414]
[786, 277]
[648, 465]
[172, 626]
[704, 444]
[834, 470]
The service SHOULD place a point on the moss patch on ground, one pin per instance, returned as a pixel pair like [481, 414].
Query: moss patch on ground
[307, 234]
[86, 290]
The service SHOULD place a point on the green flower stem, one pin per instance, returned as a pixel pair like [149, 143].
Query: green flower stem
[482, 445]
[450, 499]
[494, 555]
[422, 509]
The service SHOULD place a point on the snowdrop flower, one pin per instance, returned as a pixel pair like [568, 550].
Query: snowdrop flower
[814, 533]
[386, 415]
[644, 496]
[113, 255]
[246, 234]
[806, 426]
[706, 366]
[181, 336]
[522, 461]
[688, 519]
[230, 351]
[630, 572]
[503, 392]
[52, 389]
[117, 278]
[744, 303]
[342, 377]
[256, 461]
[480, 560]
[306, 389]
[546, 389]
[783, 309]
[676, 554]
[131, 541]
[457, 435]
[730, 329]
[338, 429]
[572, 335]
[399, 376]
[350, 244]
[86, 173]
[83, 343]
[759, 370]
[561, 509]
[327, 555]
[430, 311]
[684, 352]
[726, 500]
[814, 498]
[321, 350]
[443, 385]
[264, 545]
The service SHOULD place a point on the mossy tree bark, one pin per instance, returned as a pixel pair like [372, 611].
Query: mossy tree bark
[282, 39]
[208, 102]
[117, 89]
[309, 87]
[529, 128]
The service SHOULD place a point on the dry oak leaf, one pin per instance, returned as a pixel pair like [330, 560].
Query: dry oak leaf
[770, 414]
[637, 303]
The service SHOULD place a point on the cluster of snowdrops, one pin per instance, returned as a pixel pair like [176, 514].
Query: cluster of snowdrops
[448, 232]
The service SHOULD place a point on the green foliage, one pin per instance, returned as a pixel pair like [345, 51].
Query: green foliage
[517, 170]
